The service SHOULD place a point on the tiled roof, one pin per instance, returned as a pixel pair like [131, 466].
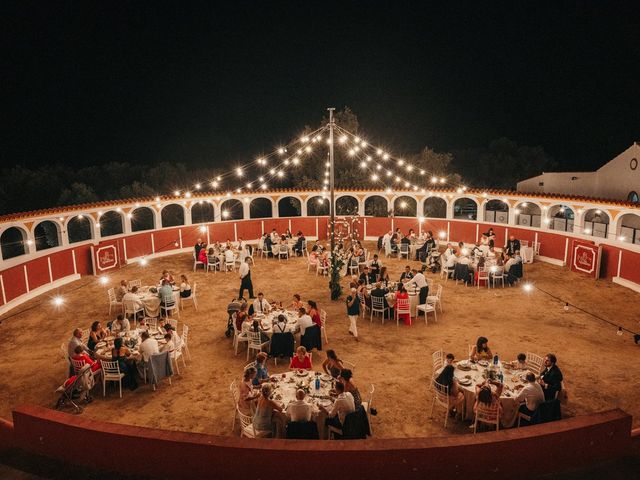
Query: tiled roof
[55, 211]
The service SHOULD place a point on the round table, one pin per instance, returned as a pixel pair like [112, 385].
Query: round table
[151, 301]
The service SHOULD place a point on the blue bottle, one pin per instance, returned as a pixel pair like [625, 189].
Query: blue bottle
[495, 359]
[317, 382]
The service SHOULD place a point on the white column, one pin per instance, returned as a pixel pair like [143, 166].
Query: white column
[246, 209]
[420, 207]
[274, 209]
[187, 215]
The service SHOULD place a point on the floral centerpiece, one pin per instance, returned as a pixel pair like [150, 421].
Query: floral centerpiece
[303, 386]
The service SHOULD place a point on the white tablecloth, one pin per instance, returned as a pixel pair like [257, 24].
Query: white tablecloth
[151, 301]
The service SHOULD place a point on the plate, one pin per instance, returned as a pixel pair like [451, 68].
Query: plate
[324, 402]
[101, 343]
[325, 377]
[304, 373]
[465, 381]
[483, 363]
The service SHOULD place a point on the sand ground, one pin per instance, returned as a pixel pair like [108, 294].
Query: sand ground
[598, 365]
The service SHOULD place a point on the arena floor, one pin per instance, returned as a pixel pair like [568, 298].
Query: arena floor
[598, 365]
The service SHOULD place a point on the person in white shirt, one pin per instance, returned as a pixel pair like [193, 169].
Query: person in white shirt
[507, 265]
[531, 395]
[299, 410]
[177, 341]
[122, 290]
[169, 346]
[304, 320]
[491, 253]
[148, 347]
[421, 283]
[120, 324]
[245, 278]
[343, 406]
[260, 305]
[131, 301]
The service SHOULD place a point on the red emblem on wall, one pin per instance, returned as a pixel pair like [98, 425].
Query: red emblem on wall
[586, 258]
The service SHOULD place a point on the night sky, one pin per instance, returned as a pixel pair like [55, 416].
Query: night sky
[88, 83]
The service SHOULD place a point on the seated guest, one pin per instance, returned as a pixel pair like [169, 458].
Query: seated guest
[517, 257]
[296, 304]
[197, 247]
[407, 274]
[257, 328]
[491, 253]
[169, 346]
[241, 317]
[202, 256]
[212, 258]
[262, 375]
[301, 361]
[131, 300]
[346, 378]
[456, 397]
[120, 324]
[297, 248]
[96, 334]
[80, 355]
[508, 263]
[229, 256]
[268, 244]
[166, 275]
[281, 323]
[551, 377]
[314, 313]
[177, 341]
[449, 358]
[521, 361]
[265, 407]
[476, 250]
[368, 277]
[122, 355]
[383, 276]
[401, 294]
[513, 245]
[165, 293]
[148, 347]
[421, 284]
[185, 288]
[375, 265]
[121, 290]
[481, 350]
[299, 410]
[76, 340]
[246, 394]
[260, 305]
[304, 320]
[486, 397]
[531, 396]
[343, 406]
[406, 240]
[380, 292]
[332, 365]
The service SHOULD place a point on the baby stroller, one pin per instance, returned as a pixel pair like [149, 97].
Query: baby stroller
[82, 382]
[432, 261]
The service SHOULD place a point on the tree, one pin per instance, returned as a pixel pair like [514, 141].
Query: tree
[78, 193]
[436, 164]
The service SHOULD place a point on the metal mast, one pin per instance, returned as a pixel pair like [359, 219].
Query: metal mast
[332, 207]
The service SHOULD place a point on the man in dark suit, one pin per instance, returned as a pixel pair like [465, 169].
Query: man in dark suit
[550, 377]
[378, 291]
[368, 277]
[267, 245]
[513, 245]
[407, 274]
[197, 247]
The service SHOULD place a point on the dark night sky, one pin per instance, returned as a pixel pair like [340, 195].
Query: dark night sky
[87, 83]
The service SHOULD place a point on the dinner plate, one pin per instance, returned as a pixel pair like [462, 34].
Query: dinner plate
[483, 363]
[303, 374]
[465, 381]
[325, 377]
[101, 343]
[324, 402]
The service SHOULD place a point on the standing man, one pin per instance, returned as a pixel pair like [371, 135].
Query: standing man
[420, 282]
[353, 310]
[512, 246]
[245, 278]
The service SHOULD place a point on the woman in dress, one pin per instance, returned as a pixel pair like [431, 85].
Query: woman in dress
[486, 397]
[122, 355]
[301, 361]
[96, 334]
[345, 378]
[185, 288]
[481, 350]
[402, 294]
[202, 255]
[264, 410]
[296, 304]
[80, 355]
[241, 317]
[314, 313]
[246, 394]
[332, 365]
[447, 379]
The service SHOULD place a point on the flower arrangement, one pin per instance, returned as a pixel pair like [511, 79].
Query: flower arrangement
[303, 386]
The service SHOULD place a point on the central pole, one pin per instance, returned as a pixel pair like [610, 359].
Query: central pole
[332, 206]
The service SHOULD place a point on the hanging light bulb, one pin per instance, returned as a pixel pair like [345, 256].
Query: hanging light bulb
[566, 306]
[619, 332]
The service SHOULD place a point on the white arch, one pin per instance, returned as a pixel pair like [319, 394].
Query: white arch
[184, 213]
[154, 215]
[277, 203]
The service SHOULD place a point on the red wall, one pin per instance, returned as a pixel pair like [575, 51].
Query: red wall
[13, 281]
[83, 260]
[249, 230]
[609, 262]
[61, 264]
[377, 226]
[540, 449]
[38, 272]
[139, 245]
[630, 268]
[165, 240]
[462, 232]
[221, 232]
[553, 245]
[306, 225]
[522, 234]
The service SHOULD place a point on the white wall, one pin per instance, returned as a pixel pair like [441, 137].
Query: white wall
[568, 183]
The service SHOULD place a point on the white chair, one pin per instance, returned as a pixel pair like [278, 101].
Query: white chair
[255, 343]
[229, 261]
[305, 252]
[113, 301]
[173, 322]
[247, 429]
[322, 269]
[175, 355]
[238, 336]
[77, 365]
[437, 359]
[483, 276]
[235, 396]
[312, 262]
[487, 415]
[132, 309]
[111, 373]
[283, 252]
[323, 318]
[445, 271]
[170, 306]
[440, 397]
[405, 251]
[364, 262]
[367, 405]
[378, 306]
[185, 340]
[197, 263]
[436, 300]
[354, 267]
[213, 263]
[152, 323]
[534, 362]
[191, 298]
[497, 275]
[426, 308]
[85, 335]
[275, 251]
[401, 307]
[134, 283]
